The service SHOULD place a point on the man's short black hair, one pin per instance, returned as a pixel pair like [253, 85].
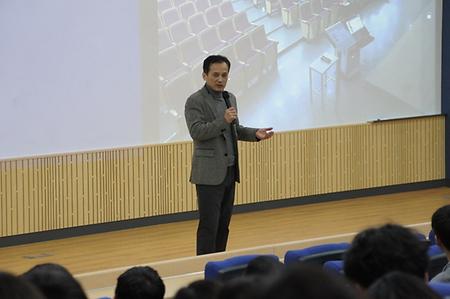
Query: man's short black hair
[377, 251]
[440, 222]
[215, 59]
[140, 283]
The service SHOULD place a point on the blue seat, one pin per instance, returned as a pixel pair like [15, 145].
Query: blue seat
[335, 266]
[230, 268]
[317, 254]
[432, 237]
[438, 260]
[441, 288]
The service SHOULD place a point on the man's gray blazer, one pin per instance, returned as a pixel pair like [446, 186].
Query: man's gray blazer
[209, 161]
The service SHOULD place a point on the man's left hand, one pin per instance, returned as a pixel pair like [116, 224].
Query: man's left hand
[264, 133]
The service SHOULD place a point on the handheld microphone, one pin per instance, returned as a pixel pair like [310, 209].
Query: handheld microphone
[226, 97]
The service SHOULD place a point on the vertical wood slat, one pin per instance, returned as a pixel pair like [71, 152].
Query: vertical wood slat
[61, 191]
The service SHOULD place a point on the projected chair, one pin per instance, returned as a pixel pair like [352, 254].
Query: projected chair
[187, 9]
[227, 31]
[213, 16]
[179, 31]
[215, 2]
[164, 5]
[332, 7]
[169, 64]
[438, 260]
[227, 9]
[202, 5]
[272, 6]
[164, 39]
[175, 91]
[210, 41]
[197, 23]
[335, 266]
[310, 24]
[242, 24]
[317, 254]
[229, 268]
[323, 14]
[192, 56]
[268, 47]
[237, 81]
[289, 12]
[252, 59]
[170, 16]
[178, 3]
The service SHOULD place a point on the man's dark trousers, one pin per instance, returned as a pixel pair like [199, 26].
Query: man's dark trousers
[215, 205]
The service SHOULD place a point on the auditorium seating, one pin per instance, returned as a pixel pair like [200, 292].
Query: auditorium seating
[210, 41]
[438, 260]
[442, 289]
[317, 254]
[213, 16]
[229, 268]
[268, 47]
[187, 9]
[197, 23]
[335, 266]
[170, 16]
[252, 59]
[227, 31]
[164, 39]
[226, 9]
[179, 31]
[242, 24]
[289, 12]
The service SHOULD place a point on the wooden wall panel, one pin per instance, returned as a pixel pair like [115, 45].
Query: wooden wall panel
[69, 190]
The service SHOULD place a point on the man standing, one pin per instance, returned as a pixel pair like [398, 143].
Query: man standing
[212, 120]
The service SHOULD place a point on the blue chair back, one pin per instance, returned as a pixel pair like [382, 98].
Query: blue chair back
[441, 288]
[230, 268]
[438, 260]
[335, 266]
[317, 254]
[432, 237]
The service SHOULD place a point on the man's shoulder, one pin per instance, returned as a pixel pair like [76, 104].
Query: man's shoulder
[199, 95]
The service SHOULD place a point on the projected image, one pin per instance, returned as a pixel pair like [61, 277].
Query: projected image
[302, 64]
[92, 75]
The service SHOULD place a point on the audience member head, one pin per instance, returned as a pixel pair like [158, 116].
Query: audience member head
[440, 223]
[243, 287]
[400, 285]
[13, 287]
[140, 283]
[263, 265]
[201, 289]
[308, 281]
[55, 282]
[377, 251]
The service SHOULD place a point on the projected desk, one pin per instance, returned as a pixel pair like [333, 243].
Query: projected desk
[326, 68]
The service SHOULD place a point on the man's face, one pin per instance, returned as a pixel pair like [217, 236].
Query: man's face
[217, 77]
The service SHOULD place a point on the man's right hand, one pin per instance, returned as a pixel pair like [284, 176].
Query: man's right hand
[230, 115]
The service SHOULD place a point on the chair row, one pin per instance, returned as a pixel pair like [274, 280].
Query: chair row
[226, 31]
[213, 14]
[330, 256]
[251, 56]
[201, 4]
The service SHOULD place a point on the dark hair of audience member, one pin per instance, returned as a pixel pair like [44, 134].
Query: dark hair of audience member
[13, 287]
[377, 251]
[309, 281]
[140, 282]
[263, 265]
[400, 285]
[55, 282]
[440, 222]
[201, 289]
[242, 287]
